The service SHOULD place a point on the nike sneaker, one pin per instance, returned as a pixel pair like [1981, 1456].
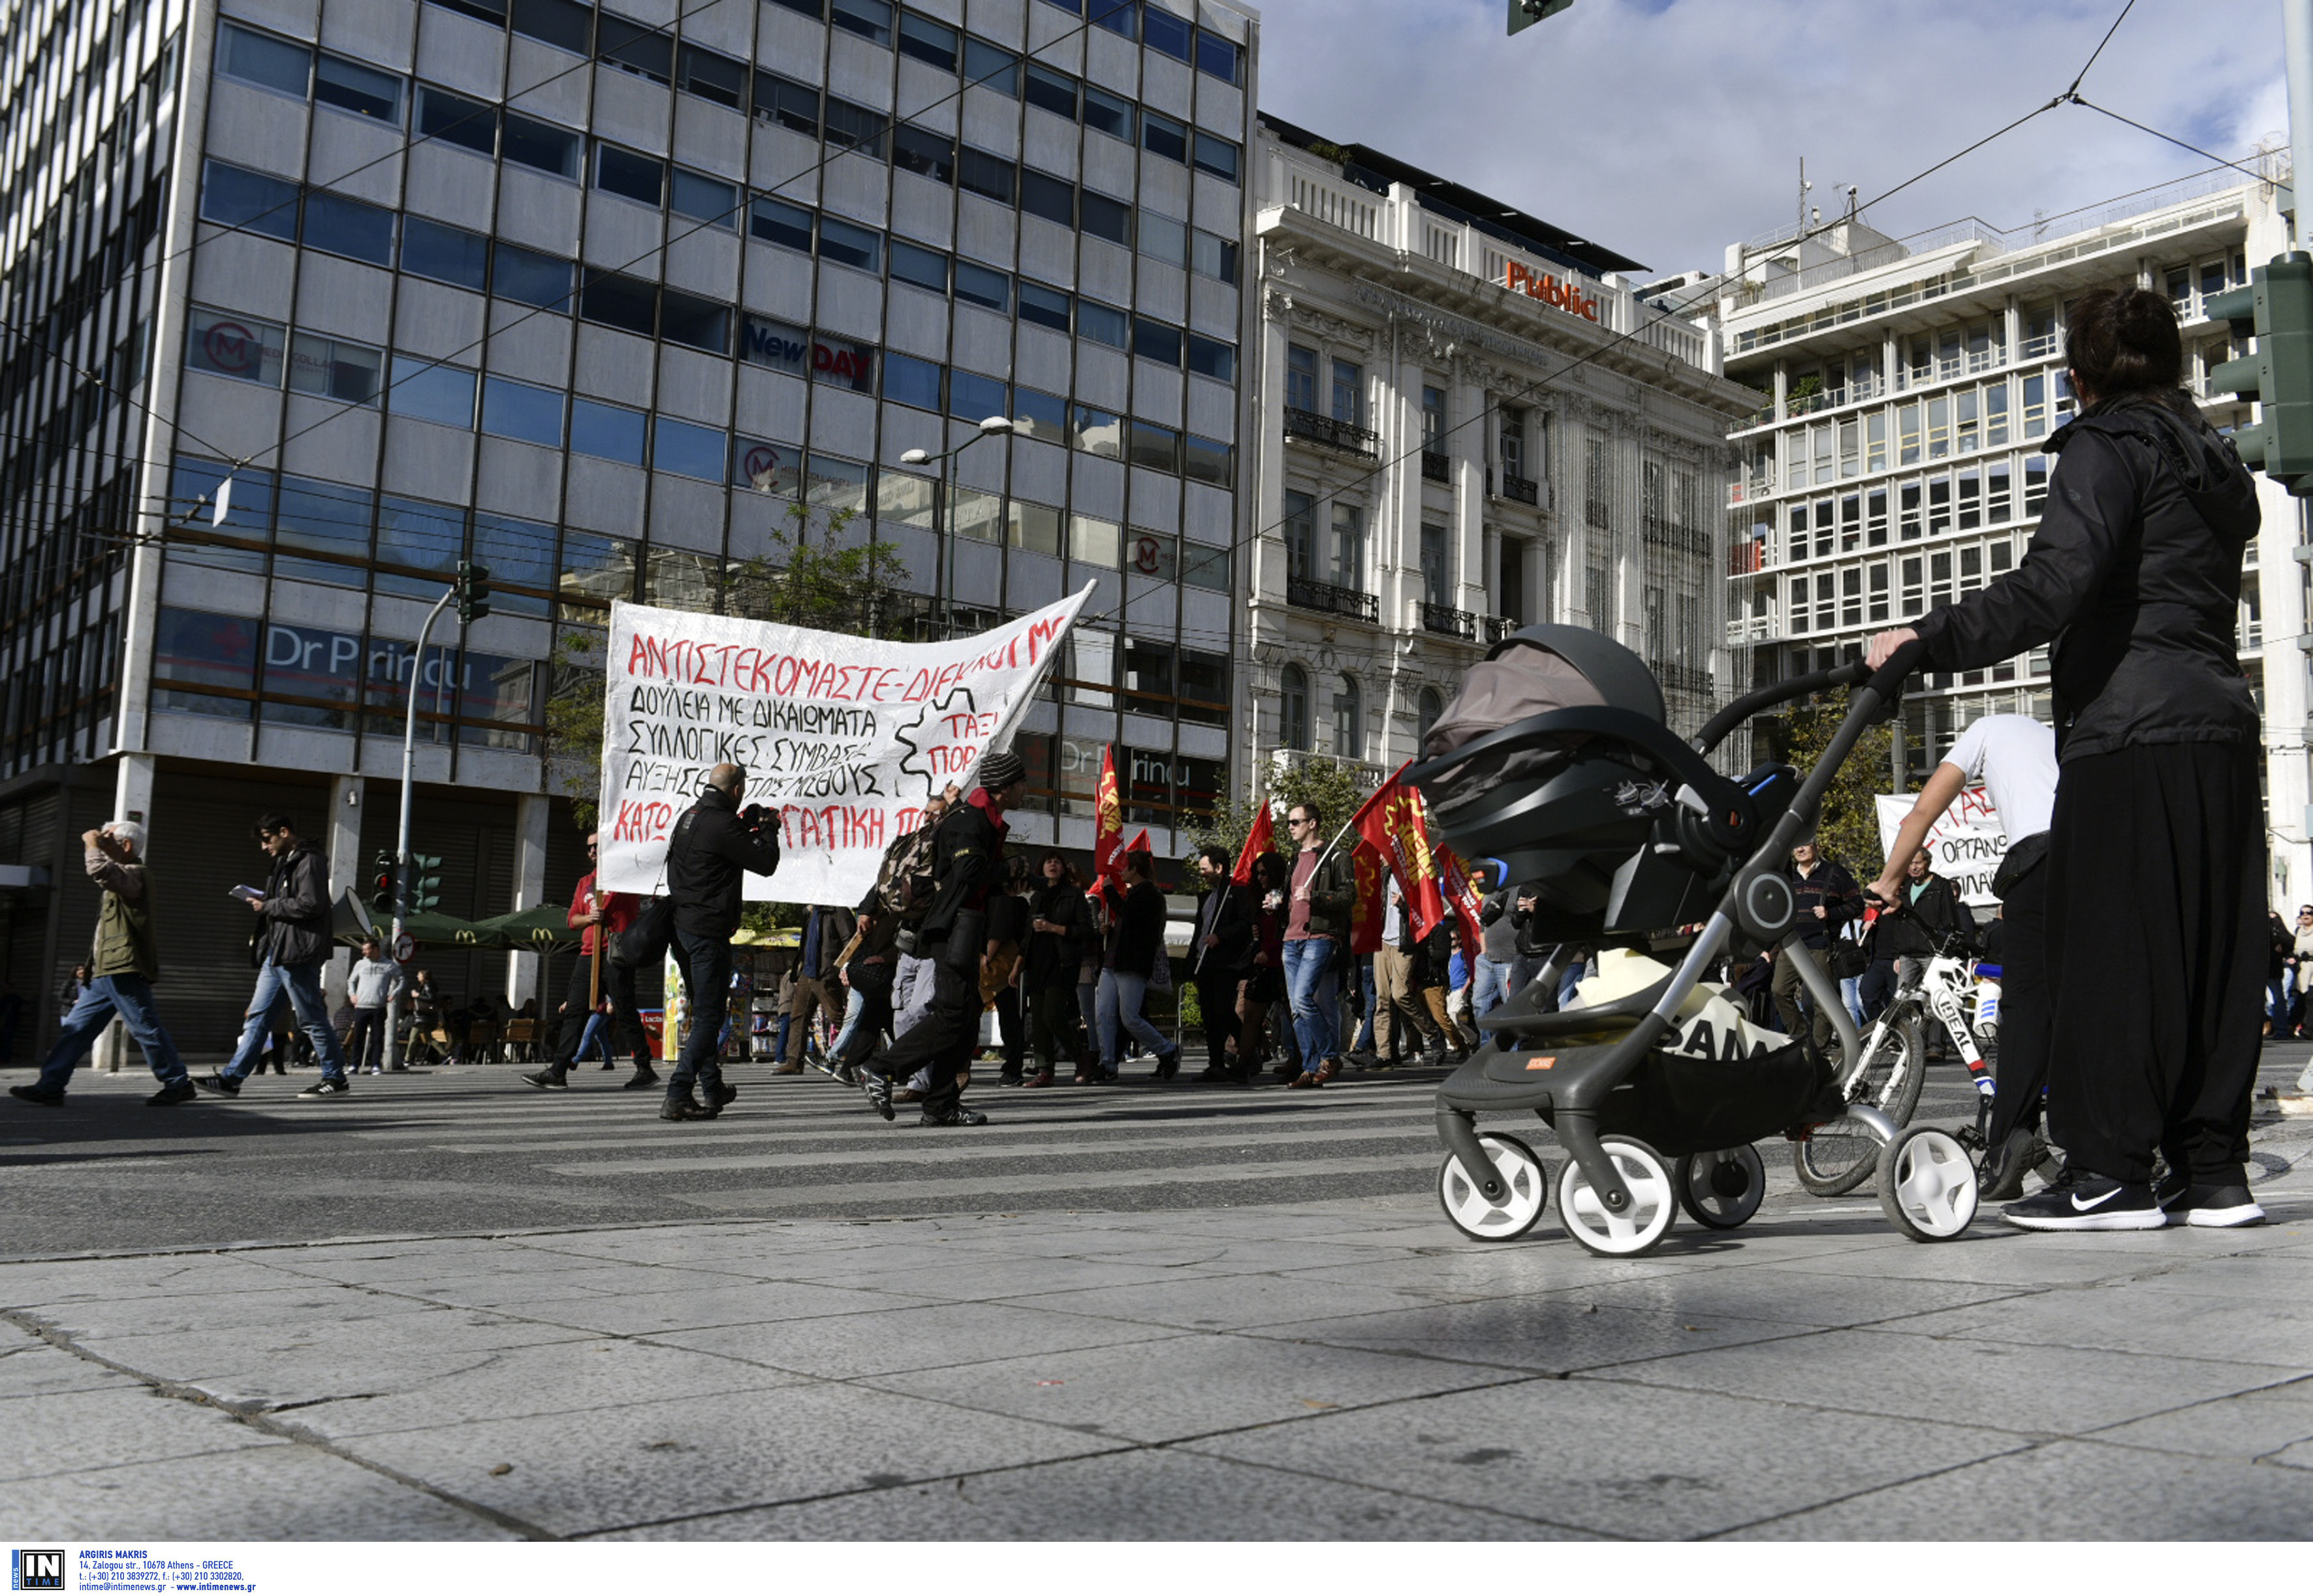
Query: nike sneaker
[2221, 1207]
[2080, 1201]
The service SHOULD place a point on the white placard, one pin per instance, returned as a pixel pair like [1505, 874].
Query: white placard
[845, 736]
[1967, 841]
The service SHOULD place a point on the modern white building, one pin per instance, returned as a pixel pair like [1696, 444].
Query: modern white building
[308, 300]
[1469, 422]
[1895, 460]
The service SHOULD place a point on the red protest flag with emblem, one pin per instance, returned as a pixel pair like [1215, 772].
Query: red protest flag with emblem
[1462, 894]
[1392, 823]
[1108, 819]
[1260, 840]
[1371, 872]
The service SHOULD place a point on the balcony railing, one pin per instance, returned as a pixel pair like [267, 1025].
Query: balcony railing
[1344, 435]
[1448, 621]
[1303, 593]
[1523, 489]
[1493, 628]
[1436, 466]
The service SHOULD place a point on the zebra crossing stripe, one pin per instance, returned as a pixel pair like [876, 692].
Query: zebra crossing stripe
[1010, 1190]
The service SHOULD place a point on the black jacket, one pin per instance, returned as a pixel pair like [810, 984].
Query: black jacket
[1830, 886]
[1139, 936]
[1930, 917]
[712, 848]
[294, 925]
[2134, 575]
[1054, 957]
[1530, 945]
[1225, 914]
[836, 926]
[967, 853]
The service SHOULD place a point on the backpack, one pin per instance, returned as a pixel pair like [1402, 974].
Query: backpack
[906, 882]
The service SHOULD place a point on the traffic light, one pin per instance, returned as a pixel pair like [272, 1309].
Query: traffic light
[381, 878]
[1526, 14]
[424, 882]
[2276, 310]
[473, 592]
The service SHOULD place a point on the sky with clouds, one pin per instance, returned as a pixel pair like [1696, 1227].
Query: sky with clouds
[1667, 129]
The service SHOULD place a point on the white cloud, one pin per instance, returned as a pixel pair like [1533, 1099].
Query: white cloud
[1667, 129]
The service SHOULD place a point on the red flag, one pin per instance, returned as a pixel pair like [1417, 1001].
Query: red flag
[1139, 845]
[1258, 841]
[1108, 816]
[1462, 894]
[1372, 874]
[1393, 825]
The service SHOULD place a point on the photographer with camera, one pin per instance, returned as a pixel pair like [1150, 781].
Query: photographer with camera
[715, 845]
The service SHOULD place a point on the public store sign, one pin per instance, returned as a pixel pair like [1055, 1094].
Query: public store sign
[1968, 842]
[847, 737]
[1542, 286]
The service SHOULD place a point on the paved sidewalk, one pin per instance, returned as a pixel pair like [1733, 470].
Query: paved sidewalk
[1348, 1369]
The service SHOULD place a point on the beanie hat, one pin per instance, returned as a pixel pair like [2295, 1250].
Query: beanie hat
[1001, 768]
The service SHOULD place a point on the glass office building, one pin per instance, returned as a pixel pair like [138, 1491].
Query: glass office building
[331, 295]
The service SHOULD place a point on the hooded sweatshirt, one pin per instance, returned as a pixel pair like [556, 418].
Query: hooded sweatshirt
[2134, 575]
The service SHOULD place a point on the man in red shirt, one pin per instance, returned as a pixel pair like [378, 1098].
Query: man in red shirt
[597, 914]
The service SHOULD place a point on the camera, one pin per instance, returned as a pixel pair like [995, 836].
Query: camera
[755, 814]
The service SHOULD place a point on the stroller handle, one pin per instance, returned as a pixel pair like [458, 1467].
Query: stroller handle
[1715, 729]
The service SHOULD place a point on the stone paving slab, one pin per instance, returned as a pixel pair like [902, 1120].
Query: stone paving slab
[2262, 1424]
[951, 1335]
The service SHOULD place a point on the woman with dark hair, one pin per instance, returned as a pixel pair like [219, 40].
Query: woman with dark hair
[1057, 924]
[1264, 982]
[2155, 945]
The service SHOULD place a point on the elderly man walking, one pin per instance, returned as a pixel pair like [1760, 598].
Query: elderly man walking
[122, 967]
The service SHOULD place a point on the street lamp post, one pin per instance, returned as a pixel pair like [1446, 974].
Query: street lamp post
[945, 520]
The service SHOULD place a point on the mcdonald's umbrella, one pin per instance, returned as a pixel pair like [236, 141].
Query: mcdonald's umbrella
[432, 930]
[547, 926]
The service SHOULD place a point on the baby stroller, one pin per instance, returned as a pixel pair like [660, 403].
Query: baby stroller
[1554, 763]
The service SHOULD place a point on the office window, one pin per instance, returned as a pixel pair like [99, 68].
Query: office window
[564, 24]
[1094, 541]
[1300, 378]
[1218, 57]
[1096, 432]
[541, 144]
[792, 105]
[1162, 31]
[1047, 307]
[927, 40]
[343, 226]
[908, 380]
[1035, 528]
[231, 346]
[906, 500]
[1300, 536]
[992, 175]
[977, 285]
[1102, 323]
[700, 323]
[1218, 157]
[926, 268]
[1293, 708]
[1050, 198]
[1038, 414]
[1349, 393]
[521, 410]
[629, 176]
[1050, 91]
[1348, 547]
[322, 518]
[350, 86]
[1207, 460]
[607, 432]
[1153, 340]
[1209, 357]
[1875, 441]
[776, 223]
[715, 77]
[425, 391]
[453, 119]
[632, 46]
[708, 199]
[856, 127]
[847, 245]
[234, 196]
[924, 153]
[1115, 15]
[351, 373]
[1104, 112]
[623, 303]
[985, 64]
[1157, 447]
[1213, 255]
[419, 536]
[869, 19]
[1208, 568]
[1162, 136]
[686, 449]
[262, 59]
[445, 254]
[1163, 238]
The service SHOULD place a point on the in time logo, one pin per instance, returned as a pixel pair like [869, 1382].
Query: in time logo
[36, 1571]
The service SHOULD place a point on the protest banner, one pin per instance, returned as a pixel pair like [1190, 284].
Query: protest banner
[847, 737]
[1968, 842]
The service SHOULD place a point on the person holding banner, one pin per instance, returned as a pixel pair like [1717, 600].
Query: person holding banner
[1224, 945]
[715, 846]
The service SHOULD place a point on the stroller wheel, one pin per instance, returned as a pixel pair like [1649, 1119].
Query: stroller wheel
[1481, 1219]
[1927, 1184]
[1720, 1190]
[1627, 1234]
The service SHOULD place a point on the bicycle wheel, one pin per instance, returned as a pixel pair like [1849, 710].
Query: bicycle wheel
[1838, 1157]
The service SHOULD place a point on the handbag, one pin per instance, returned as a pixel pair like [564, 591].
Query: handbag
[646, 940]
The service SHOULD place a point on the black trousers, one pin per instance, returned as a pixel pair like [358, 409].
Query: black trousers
[1216, 1002]
[365, 1041]
[705, 962]
[1052, 1022]
[942, 1037]
[2023, 1073]
[2156, 942]
[1013, 1028]
[626, 1022]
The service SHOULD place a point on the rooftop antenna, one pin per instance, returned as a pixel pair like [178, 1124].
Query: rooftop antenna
[1804, 186]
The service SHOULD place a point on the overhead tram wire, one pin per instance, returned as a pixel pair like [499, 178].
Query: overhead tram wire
[2166, 137]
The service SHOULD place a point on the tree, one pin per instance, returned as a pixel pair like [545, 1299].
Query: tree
[1332, 786]
[1849, 828]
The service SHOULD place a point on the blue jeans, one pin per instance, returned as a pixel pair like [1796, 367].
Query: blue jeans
[1492, 986]
[129, 995]
[1309, 985]
[1119, 1003]
[706, 965]
[302, 983]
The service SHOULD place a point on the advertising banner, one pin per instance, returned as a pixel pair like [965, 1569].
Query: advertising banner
[845, 736]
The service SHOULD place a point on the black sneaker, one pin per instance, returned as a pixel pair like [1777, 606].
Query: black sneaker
[878, 1089]
[2000, 1177]
[959, 1115]
[47, 1098]
[2170, 1188]
[2081, 1201]
[328, 1087]
[645, 1076]
[218, 1082]
[2221, 1208]
[548, 1080]
[170, 1096]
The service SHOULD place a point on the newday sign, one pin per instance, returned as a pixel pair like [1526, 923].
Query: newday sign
[1967, 841]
